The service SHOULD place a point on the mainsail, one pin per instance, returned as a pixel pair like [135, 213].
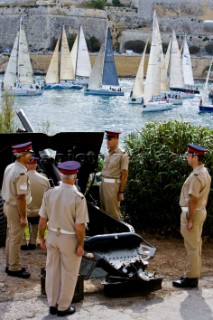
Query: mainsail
[95, 79]
[66, 68]
[109, 76]
[187, 65]
[52, 75]
[83, 65]
[176, 71]
[10, 72]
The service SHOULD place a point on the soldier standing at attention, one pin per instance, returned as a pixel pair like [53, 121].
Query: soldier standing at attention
[16, 195]
[39, 183]
[114, 176]
[65, 210]
[193, 201]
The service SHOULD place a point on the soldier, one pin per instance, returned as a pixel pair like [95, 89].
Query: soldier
[114, 176]
[65, 210]
[193, 201]
[16, 195]
[39, 183]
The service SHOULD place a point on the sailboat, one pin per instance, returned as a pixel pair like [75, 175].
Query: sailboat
[81, 59]
[103, 79]
[153, 84]
[180, 71]
[18, 77]
[136, 95]
[205, 105]
[60, 74]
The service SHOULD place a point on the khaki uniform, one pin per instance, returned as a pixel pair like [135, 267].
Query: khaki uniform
[15, 182]
[39, 184]
[63, 206]
[114, 163]
[197, 184]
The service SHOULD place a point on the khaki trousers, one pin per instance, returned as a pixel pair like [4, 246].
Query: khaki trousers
[193, 242]
[14, 237]
[109, 199]
[62, 268]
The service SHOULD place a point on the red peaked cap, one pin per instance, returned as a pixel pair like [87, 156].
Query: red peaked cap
[23, 147]
[69, 167]
[193, 148]
[112, 134]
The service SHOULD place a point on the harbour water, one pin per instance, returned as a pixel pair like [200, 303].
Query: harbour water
[67, 110]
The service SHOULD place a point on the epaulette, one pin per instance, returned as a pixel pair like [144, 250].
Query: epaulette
[196, 174]
[79, 193]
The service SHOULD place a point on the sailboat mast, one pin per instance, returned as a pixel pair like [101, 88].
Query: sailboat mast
[18, 51]
[105, 49]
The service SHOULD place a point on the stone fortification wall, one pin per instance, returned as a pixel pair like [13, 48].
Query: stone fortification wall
[43, 24]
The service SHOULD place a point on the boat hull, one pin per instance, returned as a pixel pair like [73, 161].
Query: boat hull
[59, 86]
[206, 108]
[155, 106]
[186, 90]
[135, 100]
[103, 92]
[23, 92]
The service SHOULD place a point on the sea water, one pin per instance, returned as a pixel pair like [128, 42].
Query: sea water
[70, 110]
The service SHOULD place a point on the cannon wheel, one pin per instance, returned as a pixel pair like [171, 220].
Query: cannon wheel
[3, 225]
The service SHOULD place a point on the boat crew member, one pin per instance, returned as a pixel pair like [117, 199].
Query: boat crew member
[193, 201]
[114, 176]
[39, 183]
[65, 210]
[16, 194]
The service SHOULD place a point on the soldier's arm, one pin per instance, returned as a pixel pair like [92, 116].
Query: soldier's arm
[192, 208]
[80, 234]
[42, 228]
[21, 199]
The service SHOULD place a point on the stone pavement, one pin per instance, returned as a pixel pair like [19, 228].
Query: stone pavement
[166, 304]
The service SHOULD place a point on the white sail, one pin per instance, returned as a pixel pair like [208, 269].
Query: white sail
[152, 84]
[74, 55]
[187, 65]
[95, 79]
[138, 87]
[66, 68]
[25, 70]
[83, 68]
[176, 71]
[205, 88]
[52, 75]
[10, 72]
[167, 57]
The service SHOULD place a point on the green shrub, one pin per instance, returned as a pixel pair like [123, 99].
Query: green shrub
[93, 44]
[7, 113]
[157, 171]
[98, 4]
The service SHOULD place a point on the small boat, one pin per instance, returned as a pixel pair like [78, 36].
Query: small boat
[156, 74]
[205, 105]
[18, 77]
[103, 80]
[136, 95]
[60, 74]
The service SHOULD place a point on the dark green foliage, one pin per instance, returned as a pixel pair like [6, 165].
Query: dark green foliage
[93, 44]
[194, 49]
[98, 4]
[71, 40]
[209, 48]
[135, 45]
[116, 3]
[157, 171]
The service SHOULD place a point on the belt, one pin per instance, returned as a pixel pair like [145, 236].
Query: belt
[59, 230]
[186, 209]
[111, 180]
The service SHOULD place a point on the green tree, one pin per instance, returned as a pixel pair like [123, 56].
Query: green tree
[98, 4]
[157, 171]
[93, 44]
[7, 113]
[71, 39]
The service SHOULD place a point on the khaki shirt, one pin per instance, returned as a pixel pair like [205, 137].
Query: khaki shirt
[39, 184]
[114, 163]
[15, 182]
[197, 184]
[64, 206]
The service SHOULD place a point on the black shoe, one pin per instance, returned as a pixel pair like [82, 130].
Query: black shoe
[31, 246]
[20, 274]
[24, 247]
[66, 312]
[7, 269]
[186, 283]
[52, 310]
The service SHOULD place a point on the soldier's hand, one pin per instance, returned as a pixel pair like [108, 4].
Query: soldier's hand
[23, 222]
[120, 196]
[43, 244]
[79, 251]
[189, 225]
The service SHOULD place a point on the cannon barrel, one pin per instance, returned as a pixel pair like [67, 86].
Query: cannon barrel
[25, 122]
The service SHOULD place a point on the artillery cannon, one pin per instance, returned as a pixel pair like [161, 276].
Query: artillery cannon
[112, 248]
